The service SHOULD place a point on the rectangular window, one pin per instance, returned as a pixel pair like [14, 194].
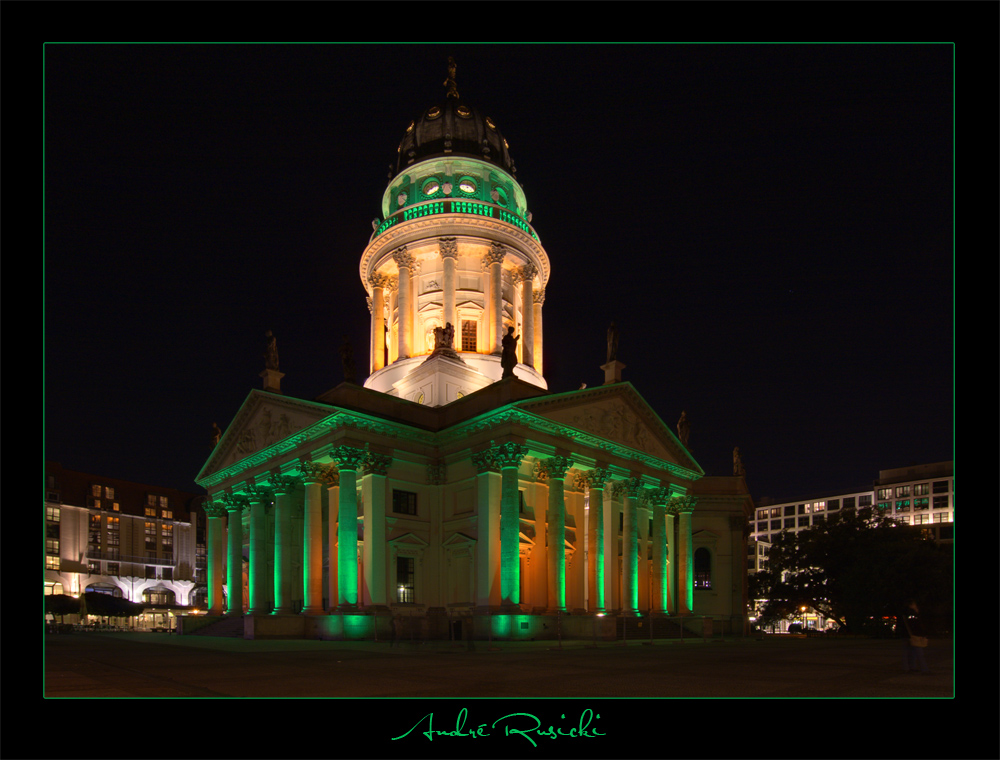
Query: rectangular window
[865, 501]
[804, 522]
[151, 535]
[775, 524]
[940, 486]
[109, 492]
[790, 509]
[833, 504]
[404, 502]
[52, 545]
[93, 567]
[940, 502]
[920, 503]
[902, 491]
[404, 580]
[520, 502]
[150, 511]
[903, 506]
[52, 514]
[95, 491]
[114, 568]
[884, 493]
[789, 522]
[51, 563]
[167, 514]
[849, 503]
[921, 489]
[150, 572]
[468, 335]
[819, 506]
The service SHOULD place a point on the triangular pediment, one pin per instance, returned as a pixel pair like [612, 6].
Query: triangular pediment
[615, 414]
[264, 419]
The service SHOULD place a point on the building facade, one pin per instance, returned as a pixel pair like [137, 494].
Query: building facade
[920, 495]
[451, 487]
[130, 540]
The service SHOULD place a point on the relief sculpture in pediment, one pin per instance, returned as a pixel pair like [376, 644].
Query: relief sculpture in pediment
[619, 423]
[266, 429]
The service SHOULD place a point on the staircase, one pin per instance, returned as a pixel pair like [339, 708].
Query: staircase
[231, 627]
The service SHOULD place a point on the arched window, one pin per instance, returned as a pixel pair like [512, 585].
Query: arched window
[702, 568]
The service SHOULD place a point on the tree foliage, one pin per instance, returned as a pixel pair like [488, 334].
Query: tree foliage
[858, 568]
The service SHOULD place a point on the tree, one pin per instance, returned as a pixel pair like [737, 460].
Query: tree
[858, 568]
[61, 604]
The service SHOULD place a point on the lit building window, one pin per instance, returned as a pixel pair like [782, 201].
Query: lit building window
[702, 568]
[404, 579]
[468, 335]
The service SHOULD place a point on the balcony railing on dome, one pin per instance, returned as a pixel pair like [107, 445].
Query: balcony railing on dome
[456, 206]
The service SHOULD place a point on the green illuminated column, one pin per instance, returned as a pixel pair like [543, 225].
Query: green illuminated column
[685, 558]
[528, 272]
[333, 500]
[234, 507]
[630, 548]
[216, 555]
[259, 499]
[508, 456]
[660, 496]
[348, 460]
[314, 475]
[378, 282]
[612, 496]
[494, 260]
[595, 538]
[449, 255]
[555, 522]
[671, 560]
[374, 470]
[488, 529]
[404, 261]
[538, 298]
[283, 487]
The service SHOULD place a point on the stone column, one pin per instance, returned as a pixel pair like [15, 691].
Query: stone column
[671, 559]
[555, 525]
[235, 505]
[527, 342]
[685, 558]
[508, 456]
[348, 459]
[659, 538]
[538, 298]
[378, 282]
[283, 487]
[630, 547]
[215, 511]
[494, 259]
[374, 470]
[404, 261]
[488, 529]
[449, 259]
[314, 475]
[259, 499]
[595, 538]
[612, 497]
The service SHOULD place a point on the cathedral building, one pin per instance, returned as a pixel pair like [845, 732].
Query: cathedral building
[451, 492]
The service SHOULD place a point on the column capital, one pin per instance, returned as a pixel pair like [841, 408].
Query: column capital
[485, 461]
[281, 484]
[315, 472]
[538, 296]
[682, 504]
[235, 502]
[509, 454]
[448, 247]
[495, 255]
[348, 457]
[528, 272]
[375, 463]
[379, 280]
[256, 492]
[214, 507]
[402, 257]
[596, 477]
[659, 496]
[556, 466]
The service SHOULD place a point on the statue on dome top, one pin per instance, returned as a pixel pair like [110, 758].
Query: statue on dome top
[450, 81]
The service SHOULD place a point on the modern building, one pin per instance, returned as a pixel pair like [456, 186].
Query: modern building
[921, 495]
[451, 492]
[126, 539]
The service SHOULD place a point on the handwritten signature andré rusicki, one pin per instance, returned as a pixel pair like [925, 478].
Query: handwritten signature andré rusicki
[513, 724]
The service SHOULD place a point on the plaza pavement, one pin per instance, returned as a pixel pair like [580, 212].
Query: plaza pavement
[130, 665]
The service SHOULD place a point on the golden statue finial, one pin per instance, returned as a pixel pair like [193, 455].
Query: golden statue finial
[450, 81]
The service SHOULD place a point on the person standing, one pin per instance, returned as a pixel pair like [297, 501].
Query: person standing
[915, 640]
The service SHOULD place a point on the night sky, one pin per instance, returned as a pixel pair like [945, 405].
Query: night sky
[770, 226]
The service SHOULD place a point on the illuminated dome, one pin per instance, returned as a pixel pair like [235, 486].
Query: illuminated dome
[453, 128]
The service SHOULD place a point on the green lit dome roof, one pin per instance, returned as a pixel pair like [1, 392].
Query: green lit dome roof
[453, 128]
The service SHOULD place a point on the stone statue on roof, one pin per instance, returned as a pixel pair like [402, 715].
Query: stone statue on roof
[270, 351]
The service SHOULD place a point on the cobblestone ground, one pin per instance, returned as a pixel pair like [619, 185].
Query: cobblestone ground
[161, 665]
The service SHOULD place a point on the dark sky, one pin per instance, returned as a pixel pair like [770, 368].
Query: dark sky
[769, 225]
